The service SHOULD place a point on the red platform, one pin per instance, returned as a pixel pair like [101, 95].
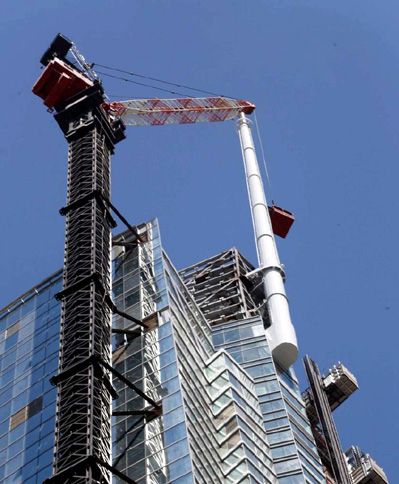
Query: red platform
[281, 220]
[59, 82]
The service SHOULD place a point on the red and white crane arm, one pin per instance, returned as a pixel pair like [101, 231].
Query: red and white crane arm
[158, 112]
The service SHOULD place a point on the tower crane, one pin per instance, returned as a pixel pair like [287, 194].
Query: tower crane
[93, 126]
[60, 79]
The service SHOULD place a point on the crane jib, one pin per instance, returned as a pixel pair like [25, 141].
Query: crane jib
[141, 112]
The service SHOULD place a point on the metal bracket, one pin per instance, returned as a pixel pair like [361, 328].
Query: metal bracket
[115, 310]
[149, 413]
[101, 200]
[131, 385]
[93, 360]
[263, 269]
[89, 461]
[94, 277]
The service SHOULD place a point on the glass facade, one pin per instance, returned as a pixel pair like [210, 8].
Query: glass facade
[147, 448]
[224, 448]
[243, 447]
[288, 431]
[227, 413]
[29, 343]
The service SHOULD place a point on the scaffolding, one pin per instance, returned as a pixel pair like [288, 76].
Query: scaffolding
[222, 289]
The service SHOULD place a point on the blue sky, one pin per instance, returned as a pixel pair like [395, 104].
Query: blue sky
[324, 77]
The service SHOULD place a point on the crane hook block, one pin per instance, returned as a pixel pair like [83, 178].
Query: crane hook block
[281, 220]
[59, 82]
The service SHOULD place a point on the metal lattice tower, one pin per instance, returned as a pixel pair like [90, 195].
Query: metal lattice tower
[83, 423]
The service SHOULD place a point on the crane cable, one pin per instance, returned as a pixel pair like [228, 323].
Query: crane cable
[262, 153]
[141, 84]
[176, 93]
[156, 79]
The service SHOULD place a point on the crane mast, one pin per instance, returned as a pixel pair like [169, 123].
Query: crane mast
[84, 388]
[92, 127]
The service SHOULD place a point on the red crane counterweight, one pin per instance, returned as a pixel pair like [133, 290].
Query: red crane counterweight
[58, 82]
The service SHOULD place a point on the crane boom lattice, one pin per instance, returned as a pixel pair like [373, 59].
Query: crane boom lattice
[158, 112]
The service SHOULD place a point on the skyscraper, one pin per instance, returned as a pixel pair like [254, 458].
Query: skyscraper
[197, 395]
[233, 301]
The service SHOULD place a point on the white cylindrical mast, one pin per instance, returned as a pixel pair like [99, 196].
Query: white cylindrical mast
[281, 333]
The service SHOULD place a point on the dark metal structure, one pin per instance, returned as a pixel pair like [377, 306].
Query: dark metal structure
[84, 384]
[323, 427]
[364, 469]
[83, 422]
[222, 290]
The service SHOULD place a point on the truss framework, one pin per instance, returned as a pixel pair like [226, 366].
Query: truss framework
[85, 392]
[222, 290]
[158, 112]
